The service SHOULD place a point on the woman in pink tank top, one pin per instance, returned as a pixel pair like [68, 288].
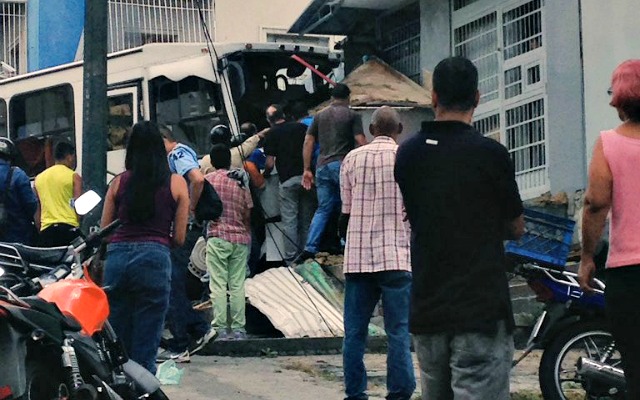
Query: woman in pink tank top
[614, 186]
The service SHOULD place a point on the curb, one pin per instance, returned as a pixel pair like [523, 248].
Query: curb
[274, 347]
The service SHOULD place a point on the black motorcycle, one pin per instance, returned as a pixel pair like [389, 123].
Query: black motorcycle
[55, 339]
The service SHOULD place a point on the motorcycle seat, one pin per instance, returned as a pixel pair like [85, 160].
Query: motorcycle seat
[43, 255]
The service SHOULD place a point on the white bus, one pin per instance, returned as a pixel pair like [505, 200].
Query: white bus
[183, 86]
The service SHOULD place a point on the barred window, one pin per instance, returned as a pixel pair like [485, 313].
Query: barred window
[478, 41]
[137, 22]
[526, 136]
[13, 36]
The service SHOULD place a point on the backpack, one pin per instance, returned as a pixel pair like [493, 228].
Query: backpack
[4, 215]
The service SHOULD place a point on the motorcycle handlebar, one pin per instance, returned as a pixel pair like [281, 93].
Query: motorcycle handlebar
[95, 237]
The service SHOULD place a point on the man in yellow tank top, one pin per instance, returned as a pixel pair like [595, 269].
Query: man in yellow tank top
[57, 187]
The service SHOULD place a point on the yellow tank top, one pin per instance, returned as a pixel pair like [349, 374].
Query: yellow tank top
[55, 191]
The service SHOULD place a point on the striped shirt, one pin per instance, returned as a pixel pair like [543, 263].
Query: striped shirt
[377, 236]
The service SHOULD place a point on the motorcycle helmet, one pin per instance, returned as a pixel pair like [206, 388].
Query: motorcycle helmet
[220, 134]
[7, 148]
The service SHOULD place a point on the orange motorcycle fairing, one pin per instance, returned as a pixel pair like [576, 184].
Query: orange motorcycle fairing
[80, 299]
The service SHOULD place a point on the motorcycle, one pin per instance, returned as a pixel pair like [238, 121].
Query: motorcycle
[55, 339]
[579, 358]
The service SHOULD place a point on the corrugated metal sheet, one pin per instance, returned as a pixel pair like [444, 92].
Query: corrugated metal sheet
[292, 305]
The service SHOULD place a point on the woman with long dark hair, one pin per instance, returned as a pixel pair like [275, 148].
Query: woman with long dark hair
[153, 207]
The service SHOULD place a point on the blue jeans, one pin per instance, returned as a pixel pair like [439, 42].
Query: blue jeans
[362, 292]
[185, 323]
[137, 276]
[328, 188]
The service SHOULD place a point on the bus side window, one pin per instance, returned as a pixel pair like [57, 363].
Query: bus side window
[39, 120]
[120, 120]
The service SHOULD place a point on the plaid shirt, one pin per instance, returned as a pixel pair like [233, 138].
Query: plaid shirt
[377, 237]
[236, 206]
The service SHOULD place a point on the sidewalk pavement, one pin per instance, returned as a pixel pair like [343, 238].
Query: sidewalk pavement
[303, 378]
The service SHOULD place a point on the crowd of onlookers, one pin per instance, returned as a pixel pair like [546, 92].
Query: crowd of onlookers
[423, 224]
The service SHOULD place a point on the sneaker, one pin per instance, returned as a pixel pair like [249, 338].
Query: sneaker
[224, 335]
[239, 335]
[200, 343]
[167, 355]
[302, 257]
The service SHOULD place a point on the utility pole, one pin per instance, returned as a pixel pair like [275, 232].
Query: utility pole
[95, 105]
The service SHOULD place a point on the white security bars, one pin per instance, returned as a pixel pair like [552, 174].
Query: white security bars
[399, 38]
[505, 40]
[13, 35]
[133, 23]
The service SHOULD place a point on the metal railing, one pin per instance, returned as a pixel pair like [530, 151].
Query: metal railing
[133, 23]
[13, 35]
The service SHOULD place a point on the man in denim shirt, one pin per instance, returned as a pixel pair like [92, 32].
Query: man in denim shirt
[21, 202]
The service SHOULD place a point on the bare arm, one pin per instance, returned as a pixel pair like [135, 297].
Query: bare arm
[109, 209]
[514, 229]
[360, 139]
[269, 164]
[180, 194]
[38, 215]
[307, 154]
[77, 188]
[257, 180]
[196, 181]
[597, 204]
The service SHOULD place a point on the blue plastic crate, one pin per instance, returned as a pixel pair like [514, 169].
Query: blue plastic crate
[547, 239]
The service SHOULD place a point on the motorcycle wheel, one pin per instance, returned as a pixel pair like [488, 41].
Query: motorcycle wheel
[558, 375]
[42, 384]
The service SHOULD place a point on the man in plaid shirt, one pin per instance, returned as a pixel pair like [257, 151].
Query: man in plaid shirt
[376, 259]
[228, 241]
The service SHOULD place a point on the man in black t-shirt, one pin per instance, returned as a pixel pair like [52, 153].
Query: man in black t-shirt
[462, 201]
[297, 205]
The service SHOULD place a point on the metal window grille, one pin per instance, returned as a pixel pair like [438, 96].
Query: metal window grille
[458, 4]
[478, 41]
[522, 29]
[489, 126]
[400, 40]
[13, 31]
[137, 22]
[501, 44]
[526, 141]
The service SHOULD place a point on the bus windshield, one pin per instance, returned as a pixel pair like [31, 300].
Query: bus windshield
[258, 79]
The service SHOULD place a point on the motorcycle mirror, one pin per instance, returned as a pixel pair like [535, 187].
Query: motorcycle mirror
[87, 202]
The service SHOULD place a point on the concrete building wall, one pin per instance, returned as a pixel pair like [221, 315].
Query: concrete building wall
[435, 32]
[243, 21]
[565, 111]
[610, 32]
[54, 28]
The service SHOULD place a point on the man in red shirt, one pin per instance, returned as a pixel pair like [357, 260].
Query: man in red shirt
[228, 241]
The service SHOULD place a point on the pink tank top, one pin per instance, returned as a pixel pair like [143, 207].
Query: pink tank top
[623, 156]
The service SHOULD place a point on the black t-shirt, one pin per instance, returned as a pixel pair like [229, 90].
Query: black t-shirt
[459, 190]
[285, 143]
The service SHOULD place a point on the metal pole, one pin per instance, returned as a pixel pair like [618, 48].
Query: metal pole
[95, 106]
